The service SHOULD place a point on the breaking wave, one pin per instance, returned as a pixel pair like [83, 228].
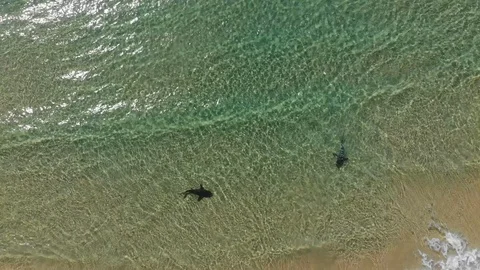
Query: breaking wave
[452, 252]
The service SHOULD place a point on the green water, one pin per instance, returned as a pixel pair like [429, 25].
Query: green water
[249, 98]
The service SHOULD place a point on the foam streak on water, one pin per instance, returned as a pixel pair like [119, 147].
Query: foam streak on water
[454, 251]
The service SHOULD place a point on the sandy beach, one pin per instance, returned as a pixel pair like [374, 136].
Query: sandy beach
[449, 200]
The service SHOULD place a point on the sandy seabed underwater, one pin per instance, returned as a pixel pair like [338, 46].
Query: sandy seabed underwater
[110, 109]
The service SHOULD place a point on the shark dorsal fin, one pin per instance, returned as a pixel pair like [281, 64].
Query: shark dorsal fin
[201, 187]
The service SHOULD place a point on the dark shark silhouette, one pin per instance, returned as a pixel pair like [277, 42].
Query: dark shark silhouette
[341, 155]
[200, 192]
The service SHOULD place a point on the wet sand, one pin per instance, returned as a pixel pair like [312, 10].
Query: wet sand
[401, 255]
[446, 199]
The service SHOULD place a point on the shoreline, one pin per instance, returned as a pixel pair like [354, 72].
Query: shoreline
[446, 200]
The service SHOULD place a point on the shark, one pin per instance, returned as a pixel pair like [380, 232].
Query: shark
[341, 155]
[200, 192]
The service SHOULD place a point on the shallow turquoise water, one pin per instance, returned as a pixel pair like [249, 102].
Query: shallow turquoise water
[108, 110]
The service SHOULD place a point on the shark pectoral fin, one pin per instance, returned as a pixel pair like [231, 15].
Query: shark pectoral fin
[199, 198]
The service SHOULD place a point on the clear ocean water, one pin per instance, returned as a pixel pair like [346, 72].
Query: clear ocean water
[110, 109]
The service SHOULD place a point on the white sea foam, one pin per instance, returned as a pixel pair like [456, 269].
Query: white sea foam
[454, 251]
